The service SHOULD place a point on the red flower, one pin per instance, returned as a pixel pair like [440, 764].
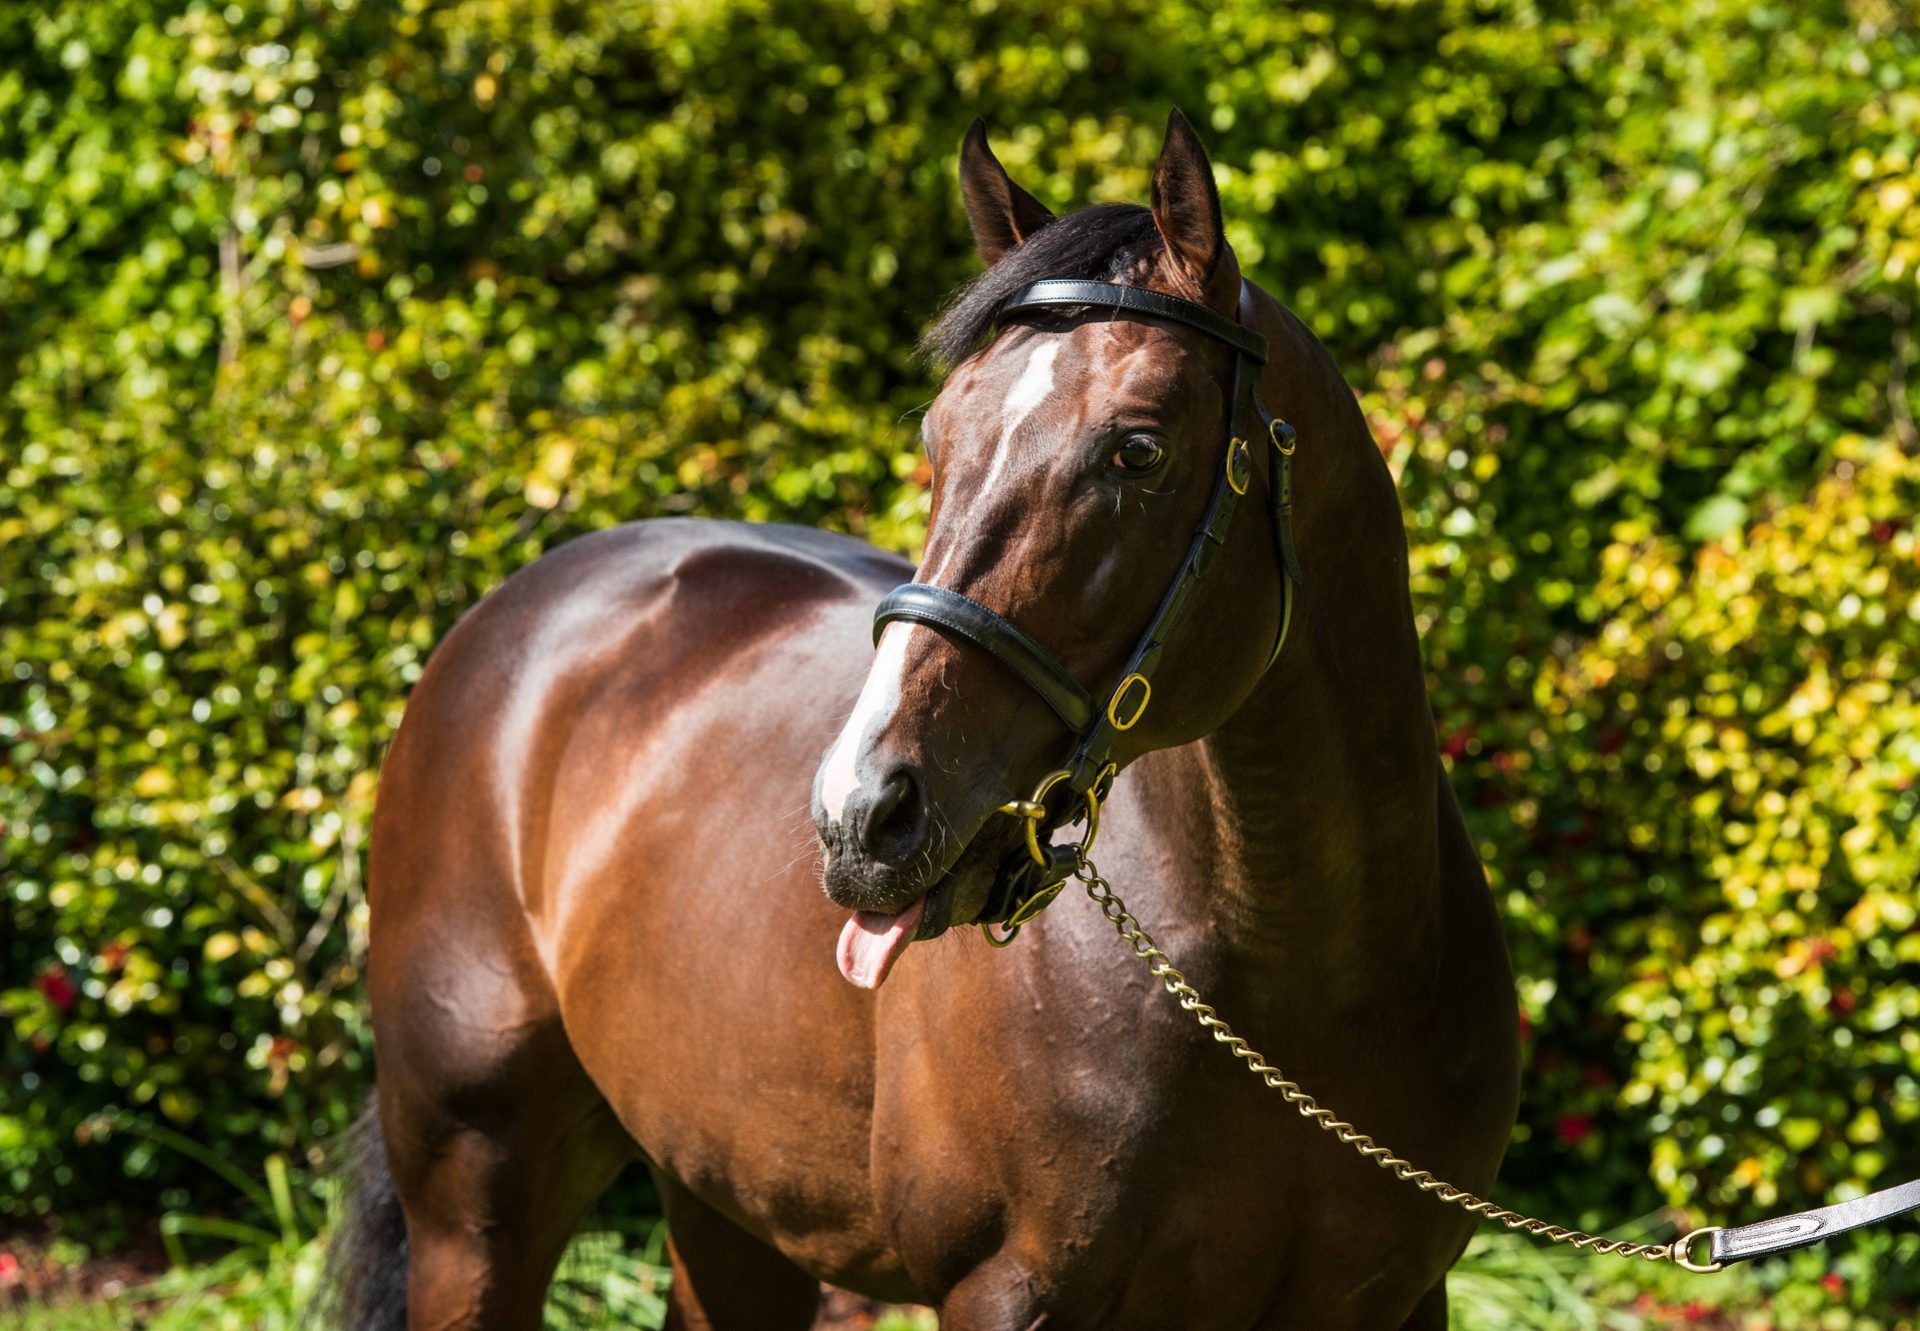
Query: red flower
[57, 988]
[1572, 1129]
[1835, 1284]
[10, 1272]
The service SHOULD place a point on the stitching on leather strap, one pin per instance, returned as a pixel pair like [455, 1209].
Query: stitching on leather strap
[1139, 300]
[950, 610]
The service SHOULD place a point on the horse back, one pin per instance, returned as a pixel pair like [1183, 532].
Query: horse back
[594, 823]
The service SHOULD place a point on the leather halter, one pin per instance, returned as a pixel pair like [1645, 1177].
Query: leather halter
[1095, 726]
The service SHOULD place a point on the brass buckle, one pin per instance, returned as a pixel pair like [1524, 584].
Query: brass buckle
[1113, 703]
[1682, 1252]
[1022, 914]
[1033, 905]
[1239, 465]
[1034, 810]
[1102, 787]
[1284, 436]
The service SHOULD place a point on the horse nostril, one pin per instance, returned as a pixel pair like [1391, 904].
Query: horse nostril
[894, 828]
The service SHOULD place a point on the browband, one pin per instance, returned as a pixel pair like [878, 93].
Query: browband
[1139, 300]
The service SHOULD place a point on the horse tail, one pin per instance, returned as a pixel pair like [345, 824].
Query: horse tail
[364, 1285]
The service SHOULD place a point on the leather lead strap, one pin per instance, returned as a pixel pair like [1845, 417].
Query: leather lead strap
[1785, 1233]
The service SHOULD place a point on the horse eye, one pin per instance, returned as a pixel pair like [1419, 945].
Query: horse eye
[1138, 453]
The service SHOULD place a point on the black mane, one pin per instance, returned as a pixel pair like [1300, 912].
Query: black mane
[1105, 242]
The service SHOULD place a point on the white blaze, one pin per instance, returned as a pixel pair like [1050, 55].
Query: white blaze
[1032, 388]
[839, 775]
[1028, 392]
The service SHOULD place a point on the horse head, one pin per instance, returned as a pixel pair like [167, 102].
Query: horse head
[1087, 449]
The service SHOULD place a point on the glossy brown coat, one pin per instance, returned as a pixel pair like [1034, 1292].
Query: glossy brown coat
[600, 935]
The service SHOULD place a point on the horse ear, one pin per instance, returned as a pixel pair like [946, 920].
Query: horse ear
[1186, 206]
[1001, 213]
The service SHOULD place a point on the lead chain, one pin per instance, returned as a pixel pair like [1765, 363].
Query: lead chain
[1102, 894]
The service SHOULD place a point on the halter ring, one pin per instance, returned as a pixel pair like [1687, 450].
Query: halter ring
[1681, 1253]
[1034, 810]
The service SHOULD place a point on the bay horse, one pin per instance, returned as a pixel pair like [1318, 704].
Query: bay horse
[602, 831]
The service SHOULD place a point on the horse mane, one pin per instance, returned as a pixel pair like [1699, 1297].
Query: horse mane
[1108, 242]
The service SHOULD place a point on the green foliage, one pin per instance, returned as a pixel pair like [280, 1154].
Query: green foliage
[266, 1279]
[610, 1277]
[1505, 1281]
[322, 316]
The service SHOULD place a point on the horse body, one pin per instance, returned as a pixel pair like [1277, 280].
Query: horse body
[600, 936]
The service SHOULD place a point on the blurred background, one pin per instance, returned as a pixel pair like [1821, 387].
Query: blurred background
[320, 317]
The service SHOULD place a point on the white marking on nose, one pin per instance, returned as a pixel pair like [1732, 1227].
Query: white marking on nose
[839, 774]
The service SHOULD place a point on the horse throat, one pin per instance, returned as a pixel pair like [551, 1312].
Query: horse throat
[1326, 780]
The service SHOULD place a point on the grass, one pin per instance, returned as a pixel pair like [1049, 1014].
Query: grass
[612, 1278]
[260, 1274]
[1506, 1282]
[608, 1278]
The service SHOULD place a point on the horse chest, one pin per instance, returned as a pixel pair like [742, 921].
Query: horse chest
[1110, 1152]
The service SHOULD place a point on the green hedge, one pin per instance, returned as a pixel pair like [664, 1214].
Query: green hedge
[319, 317]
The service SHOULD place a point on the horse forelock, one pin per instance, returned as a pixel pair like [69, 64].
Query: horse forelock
[1114, 242]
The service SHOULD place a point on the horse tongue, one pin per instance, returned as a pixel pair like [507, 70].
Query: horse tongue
[871, 942]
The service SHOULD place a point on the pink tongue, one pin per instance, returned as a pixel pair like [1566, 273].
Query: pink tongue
[870, 943]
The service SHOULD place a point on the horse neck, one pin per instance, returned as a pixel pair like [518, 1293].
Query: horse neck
[1327, 774]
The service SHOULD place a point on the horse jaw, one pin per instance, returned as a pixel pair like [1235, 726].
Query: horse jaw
[871, 942]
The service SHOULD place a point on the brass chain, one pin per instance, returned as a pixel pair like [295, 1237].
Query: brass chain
[1102, 894]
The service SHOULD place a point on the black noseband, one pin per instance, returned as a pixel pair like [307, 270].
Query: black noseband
[1096, 726]
[926, 604]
